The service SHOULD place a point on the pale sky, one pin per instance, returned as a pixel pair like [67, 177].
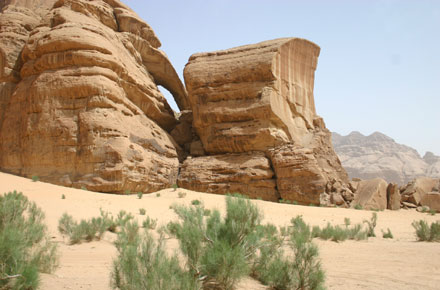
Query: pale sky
[379, 67]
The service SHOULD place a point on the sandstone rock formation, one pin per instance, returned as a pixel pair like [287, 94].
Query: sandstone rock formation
[393, 196]
[80, 106]
[379, 156]
[79, 103]
[372, 194]
[259, 98]
[416, 190]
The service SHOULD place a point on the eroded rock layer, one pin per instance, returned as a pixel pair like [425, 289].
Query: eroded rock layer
[247, 173]
[80, 104]
[260, 98]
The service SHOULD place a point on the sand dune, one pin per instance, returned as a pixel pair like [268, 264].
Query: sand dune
[401, 263]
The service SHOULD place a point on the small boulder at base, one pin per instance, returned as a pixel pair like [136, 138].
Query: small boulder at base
[371, 194]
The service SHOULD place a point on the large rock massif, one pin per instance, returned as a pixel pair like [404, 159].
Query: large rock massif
[379, 156]
[79, 103]
[259, 98]
[80, 106]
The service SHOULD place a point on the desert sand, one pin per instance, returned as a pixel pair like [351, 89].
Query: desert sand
[400, 263]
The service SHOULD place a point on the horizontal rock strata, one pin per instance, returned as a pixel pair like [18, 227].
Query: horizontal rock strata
[82, 106]
[259, 97]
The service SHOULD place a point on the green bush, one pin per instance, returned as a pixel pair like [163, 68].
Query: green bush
[195, 202]
[25, 246]
[337, 233]
[143, 263]
[149, 223]
[218, 250]
[388, 234]
[63, 196]
[175, 187]
[426, 232]
[140, 195]
[371, 225]
[35, 178]
[358, 206]
[142, 211]
[181, 194]
[302, 270]
[85, 230]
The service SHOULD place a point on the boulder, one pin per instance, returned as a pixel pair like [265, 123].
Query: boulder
[337, 199]
[83, 107]
[414, 191]
[246, 173]
[393, 196]
[431, 200]
[299, 177]
[371, 194]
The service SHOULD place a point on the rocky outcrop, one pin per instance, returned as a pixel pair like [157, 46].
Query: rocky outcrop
[379, 156]
[415, 191]
[371, 194]
[248, 173]
[393, 197]
[259, 98]
[80, 104]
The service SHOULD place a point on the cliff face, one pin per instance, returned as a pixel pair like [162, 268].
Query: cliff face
[259, 98]
[378, 155]
[80, 106]
[79, 102]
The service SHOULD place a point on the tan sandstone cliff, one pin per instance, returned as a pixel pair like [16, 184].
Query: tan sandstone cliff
[79, 99]
[80, 106]
[259, 98]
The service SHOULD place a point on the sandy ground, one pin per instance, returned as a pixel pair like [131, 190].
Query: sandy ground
[400, 263]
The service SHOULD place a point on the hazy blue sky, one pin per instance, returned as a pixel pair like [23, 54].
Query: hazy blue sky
[379, 67]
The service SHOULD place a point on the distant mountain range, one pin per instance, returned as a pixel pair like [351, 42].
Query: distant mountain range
[378, 155]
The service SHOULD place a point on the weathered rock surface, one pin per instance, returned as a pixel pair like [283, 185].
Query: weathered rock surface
[378, 155]
[248, 173]
[415, 191]
[79, 102]
[393, 196]
[299, 177]
[371, 194]
[432, 200]
[259, 97]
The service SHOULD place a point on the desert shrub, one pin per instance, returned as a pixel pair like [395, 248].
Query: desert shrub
[388, 234]
[149, 223]
[371, 225]
[195, 202]
[426, 232]
[175, 187]
[142, 211]
[358, 206]
[140, 195]
[432, 211]
[338, 233]
[206, 212]
[63, 196]
[301, 270]
[25, 246]
[86, 230]
[35, 178]
[218, 250]
[158, 194]
[181, 194]
[142, 263]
